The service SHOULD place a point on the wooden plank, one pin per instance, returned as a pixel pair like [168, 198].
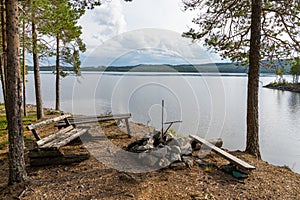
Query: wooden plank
[98, 118]
[50, 152]
[58, 139]
[215, 141]
[126, 115]
[60, 160]
[53, 136]
[42, 123]
[72, 137]
[64, 139]
[93, 119]
[224, 154]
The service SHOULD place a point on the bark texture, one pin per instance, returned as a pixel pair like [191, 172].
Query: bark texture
[36, 69]
[13, 104]
[252, 146]
[57, 99]
[3, 58]
[24, 70]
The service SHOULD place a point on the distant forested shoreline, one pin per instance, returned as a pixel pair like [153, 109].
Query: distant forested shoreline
[198, 68]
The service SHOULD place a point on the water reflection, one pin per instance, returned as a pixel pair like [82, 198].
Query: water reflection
[294, 102]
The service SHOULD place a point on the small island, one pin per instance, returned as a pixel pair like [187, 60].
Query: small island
[292, 87]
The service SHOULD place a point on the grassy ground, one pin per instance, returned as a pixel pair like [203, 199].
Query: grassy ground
[29, 119]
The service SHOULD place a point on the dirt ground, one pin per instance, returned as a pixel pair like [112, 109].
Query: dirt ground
[91, 179]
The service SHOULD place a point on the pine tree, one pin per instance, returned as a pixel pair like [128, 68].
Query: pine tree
[247, 32]
[61, 23]
[13, 105]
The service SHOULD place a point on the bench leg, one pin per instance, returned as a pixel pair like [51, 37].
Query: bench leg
[128, 129]
[36, 135]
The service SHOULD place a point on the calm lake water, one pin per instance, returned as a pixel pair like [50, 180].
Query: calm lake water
[209, 105]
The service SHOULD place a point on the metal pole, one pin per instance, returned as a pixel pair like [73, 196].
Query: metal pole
[162, 117]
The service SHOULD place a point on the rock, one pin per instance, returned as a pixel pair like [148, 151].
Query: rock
[188, 161]
[150, 160]
[150, 141]
[156, 135]
[164, 162]
[168, 137]
[147, 136]
[160, 145]
[130, 195]
[186, 149]
[201, 163]
[143, 155]
[160, 152]
[176, 142]
[143, 148]
[178, 165]
[132, 146]
[175, 149]
[174, 157]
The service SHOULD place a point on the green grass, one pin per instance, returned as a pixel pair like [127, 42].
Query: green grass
[3, 144]
[26, 121]
[27, 138]
[3, 125]
[29, 120]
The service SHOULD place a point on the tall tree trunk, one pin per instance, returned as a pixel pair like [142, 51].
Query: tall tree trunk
[57, 102]
[13, 104]
[24, 70]
[36, 69]
[253, 80]
[3, 60]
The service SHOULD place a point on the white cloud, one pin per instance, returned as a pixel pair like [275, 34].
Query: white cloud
[146, 46]
[103, 23]
[166, 14]
[150, 26]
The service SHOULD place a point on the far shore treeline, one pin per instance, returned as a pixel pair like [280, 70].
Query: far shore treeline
[201, 68]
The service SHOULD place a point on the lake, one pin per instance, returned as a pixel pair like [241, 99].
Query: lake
[209, 105]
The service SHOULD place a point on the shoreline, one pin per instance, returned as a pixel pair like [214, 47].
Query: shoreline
[291, 87]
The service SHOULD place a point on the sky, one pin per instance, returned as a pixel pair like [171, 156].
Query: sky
[140, 32]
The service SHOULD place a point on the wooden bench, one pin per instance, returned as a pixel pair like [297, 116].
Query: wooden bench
[47, 150]
[80, 120]
[234, 160]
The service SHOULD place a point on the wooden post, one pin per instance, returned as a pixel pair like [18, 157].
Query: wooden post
[162, 117]
[127, 126]
[36, 135]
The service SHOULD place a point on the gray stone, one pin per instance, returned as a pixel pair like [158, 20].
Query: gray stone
[150, 141]
[160, 145]
[178, 165]
[188, 160]
[201, 163]
[176, 142]
[147, 136]
[143, 148]
[142, 155]
[186, 149]
[168, 136]
[150, 160]
[175, 149]
[160, 152]
[164, 162]
[174, 157]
